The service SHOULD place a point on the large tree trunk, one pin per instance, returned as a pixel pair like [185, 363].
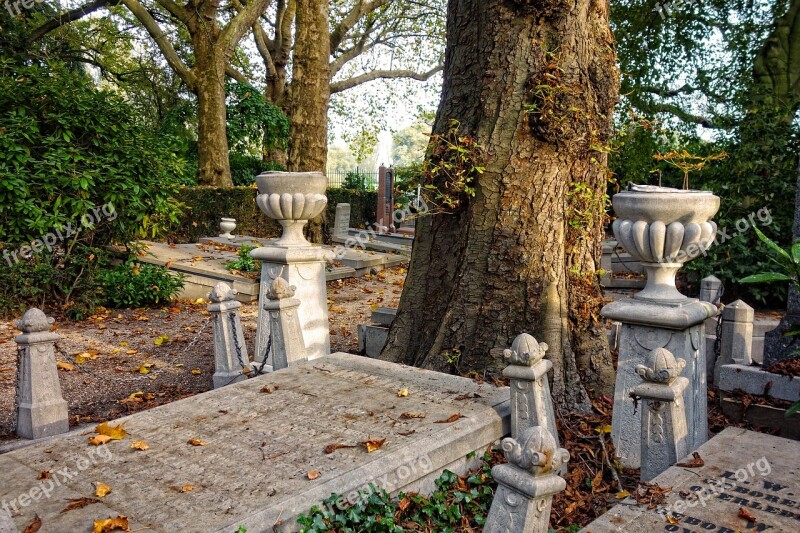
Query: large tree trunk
[535, 84]
[214, 166]
[310, 90]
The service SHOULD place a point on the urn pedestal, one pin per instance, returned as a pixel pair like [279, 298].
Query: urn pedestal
[663, 228]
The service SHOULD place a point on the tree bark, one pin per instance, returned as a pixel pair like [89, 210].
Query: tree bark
[308, 150]
[534, 83]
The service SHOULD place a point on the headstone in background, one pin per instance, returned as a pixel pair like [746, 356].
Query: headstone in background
[41, 410]
[385, 207]
[341, 223]
[737, 337]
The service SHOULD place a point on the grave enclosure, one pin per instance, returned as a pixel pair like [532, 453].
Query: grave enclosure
[264, 436]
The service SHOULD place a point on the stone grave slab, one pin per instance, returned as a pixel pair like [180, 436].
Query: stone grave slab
[263, 436]
[756, 472]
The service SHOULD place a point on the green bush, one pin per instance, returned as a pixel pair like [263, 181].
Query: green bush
[245, 168]
[245, 262]
[133, 284]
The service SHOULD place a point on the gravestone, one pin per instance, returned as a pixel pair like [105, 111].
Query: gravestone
[341, 223]
[748, 482]
[777, 345]
[736, 343]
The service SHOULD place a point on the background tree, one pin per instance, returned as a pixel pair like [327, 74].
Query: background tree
[526, 110]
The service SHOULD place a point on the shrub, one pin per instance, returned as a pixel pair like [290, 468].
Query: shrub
[133, 284]
[245, 168]
[245, 262]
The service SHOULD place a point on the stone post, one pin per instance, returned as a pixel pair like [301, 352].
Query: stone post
[664, 436]
[288, 347]
[645, 327]
[385, 207]
[341, 223]
[527, 484]
[531, 403]
[41, 410]
[737, 337]
[230, 349]
[711, 290]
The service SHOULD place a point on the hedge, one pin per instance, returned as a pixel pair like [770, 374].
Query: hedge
[206, 205]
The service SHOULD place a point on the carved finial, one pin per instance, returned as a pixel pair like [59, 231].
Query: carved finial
[280, 289]
[222, 292]
[535, 451]
[33, 321]
[525, 351]
[660, 367]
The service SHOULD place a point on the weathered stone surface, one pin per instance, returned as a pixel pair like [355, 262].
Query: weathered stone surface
[645, 327]
[736, 336]
[288, 348]
[261, 446]
[372, 339]
[711, 289]
[341, 223]
[384, 316]
[664, 434]
[231, 361]
[753, 380]
[41, 410]
[743, 469]
[527, 484]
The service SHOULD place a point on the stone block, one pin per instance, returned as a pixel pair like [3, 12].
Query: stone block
[372, 339]
[384, 316]
[341, 222]
[753, 380]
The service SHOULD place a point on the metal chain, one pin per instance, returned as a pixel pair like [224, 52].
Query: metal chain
[718, 339]
[236, 345]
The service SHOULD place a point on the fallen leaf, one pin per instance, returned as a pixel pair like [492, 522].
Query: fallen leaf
[403, 504]
[747, 515]
[115, 432]
[330, 448]
[140, 445]
[161, 340]
[671, 519]
[44, 474]
[199, 301]
[197, 371]
[621, 495]
[452, 418]
[101, 489]
[186, 488]
[123, 343]
[406, 433]
[695, 462]
[402, 393]
[34, 526]
[65, 366]
[111, 524]
[143, 370]
[78, 503]
[131, 352]
[603, 429]
[265, 390]
[409, 416]
[97, 440]
[312, 475]
[373, 444]
[196, 442]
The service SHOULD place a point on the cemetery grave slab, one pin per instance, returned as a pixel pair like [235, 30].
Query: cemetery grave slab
[265, 438]
[749, 482]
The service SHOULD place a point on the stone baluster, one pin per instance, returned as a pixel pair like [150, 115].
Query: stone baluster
[664, 430]
[531, 403]
[41, 410]
[288, 347]
[230, 349]
[711, 290]
[737, 337]
[527, 484]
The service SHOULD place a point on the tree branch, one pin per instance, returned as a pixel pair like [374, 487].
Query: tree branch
[351, 19]
[179, 12]
[70, 16]
[236, 75]
[238, 26]
[343, 85]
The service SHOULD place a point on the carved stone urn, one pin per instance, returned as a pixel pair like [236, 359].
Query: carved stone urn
[292, 198]
[664, 228]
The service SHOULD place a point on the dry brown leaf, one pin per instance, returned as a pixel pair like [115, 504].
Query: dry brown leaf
[44, 474]
[101, 489]
[313, 474]
[406, 433]
[34, 526]
[115, 432]
[196, 442]
[695, 462]
[197, 371]
[671, 519]
[111, 524]
[186, 488]
[78, 503]
[747, 515]
[140, 445]
[330, 448]
[65, 366]
[402, 393]
[409, 416]
[373, 444]
[97, 440]
[265, 390]
[450, 420]
[403, 504]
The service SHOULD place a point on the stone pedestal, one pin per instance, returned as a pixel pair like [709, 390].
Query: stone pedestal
[288, 347]
[231, 362]
[527, 484]
[664, 434]
[531, 403]
[41, 410]
[737, 337]
[303, 267]
[645, 327]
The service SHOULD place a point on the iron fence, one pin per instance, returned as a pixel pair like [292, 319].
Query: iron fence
[353, 179]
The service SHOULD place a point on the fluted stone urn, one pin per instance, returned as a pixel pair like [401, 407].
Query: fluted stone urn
[292, 198]
[664, 228]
